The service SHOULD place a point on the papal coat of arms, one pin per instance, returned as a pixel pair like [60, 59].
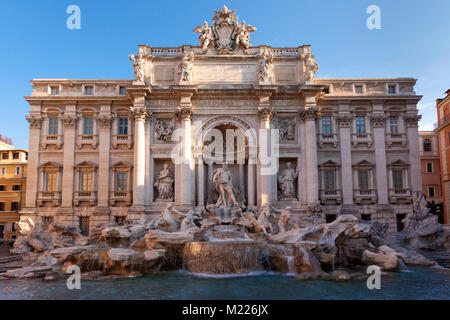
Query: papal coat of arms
[226, 33]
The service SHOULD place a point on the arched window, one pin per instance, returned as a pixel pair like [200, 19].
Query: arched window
[427, 145]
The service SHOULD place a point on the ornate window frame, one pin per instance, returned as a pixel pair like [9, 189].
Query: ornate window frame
[87, 139]
[121, 196]
[330, 195]
[89, 196]
[49, 196]
[360, 195]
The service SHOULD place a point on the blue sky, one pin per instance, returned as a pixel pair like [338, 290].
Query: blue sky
[35, 42]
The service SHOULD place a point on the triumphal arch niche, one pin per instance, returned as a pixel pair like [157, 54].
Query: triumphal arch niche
[225, 97]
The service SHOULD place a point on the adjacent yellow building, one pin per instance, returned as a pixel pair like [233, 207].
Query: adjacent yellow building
[13, 170]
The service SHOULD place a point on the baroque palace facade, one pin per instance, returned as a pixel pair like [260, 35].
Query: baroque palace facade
[101, 150]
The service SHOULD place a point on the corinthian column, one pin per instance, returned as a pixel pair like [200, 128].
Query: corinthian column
[312, 178]
[379, 138]
[186, 168]
[104, 122]
[345, 122]
[35, 121]
[414, 152]
[265, 114]
[140, 116]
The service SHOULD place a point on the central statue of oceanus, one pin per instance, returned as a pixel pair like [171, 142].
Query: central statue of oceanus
[224, 186]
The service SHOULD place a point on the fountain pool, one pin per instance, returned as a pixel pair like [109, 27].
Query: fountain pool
[414, 283]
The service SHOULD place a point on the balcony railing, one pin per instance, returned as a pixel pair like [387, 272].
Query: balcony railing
[400, 194]
[392, 138]
[333, 195]
[87, 139]
[358, 138]
[325, 138]
[85, 196]
[444, 120]
[122, 139]
[52, 139]
[289, 52]
[166, 52]
[120, 196]
[53, 197]
[365, 195]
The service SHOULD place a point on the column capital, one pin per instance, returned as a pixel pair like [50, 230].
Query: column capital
[184, 113]
[344, 120]
[105, 121]
[70, 120]
[140, 113]
[266, 113]
[308, 114]
[35, 121]
[412, 120]
[378, 120]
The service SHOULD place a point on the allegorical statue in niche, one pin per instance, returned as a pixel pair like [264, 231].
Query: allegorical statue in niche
[164, 184]
[311, 67]
[185, 67]
[205, 37]
[224, 186]
[138, 68]
[266, 66]
[286, 181]
[163, 130]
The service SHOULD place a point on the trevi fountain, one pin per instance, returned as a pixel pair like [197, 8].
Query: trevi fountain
[235, 234]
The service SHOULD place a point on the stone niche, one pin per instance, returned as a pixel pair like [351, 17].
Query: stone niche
[239, 180]
[158, 166]
[281, 170]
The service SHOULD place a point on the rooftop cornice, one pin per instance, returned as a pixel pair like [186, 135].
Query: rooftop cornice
[408, 98]
[74, 99]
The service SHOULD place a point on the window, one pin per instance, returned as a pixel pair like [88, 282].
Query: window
[88, 126]
[2, 206]
[15, 206]
[121, 181]
[16, 187]
[429, 167]
[54, 90]
[360, 125]
[427, 145]
[17, 172]
[397, 178]
[391, 89]
[49, 181]
[363, 179]
[122, 91]
[330, 218]
[431, 192]
[3, 171]
[359, 89]
[89, 90]
[2, 187]
[85, 181]
[5, 155]
[123, 126]
[393, 121]
[329, 179]
[52, 126]
[15, 155]
[365, 217]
